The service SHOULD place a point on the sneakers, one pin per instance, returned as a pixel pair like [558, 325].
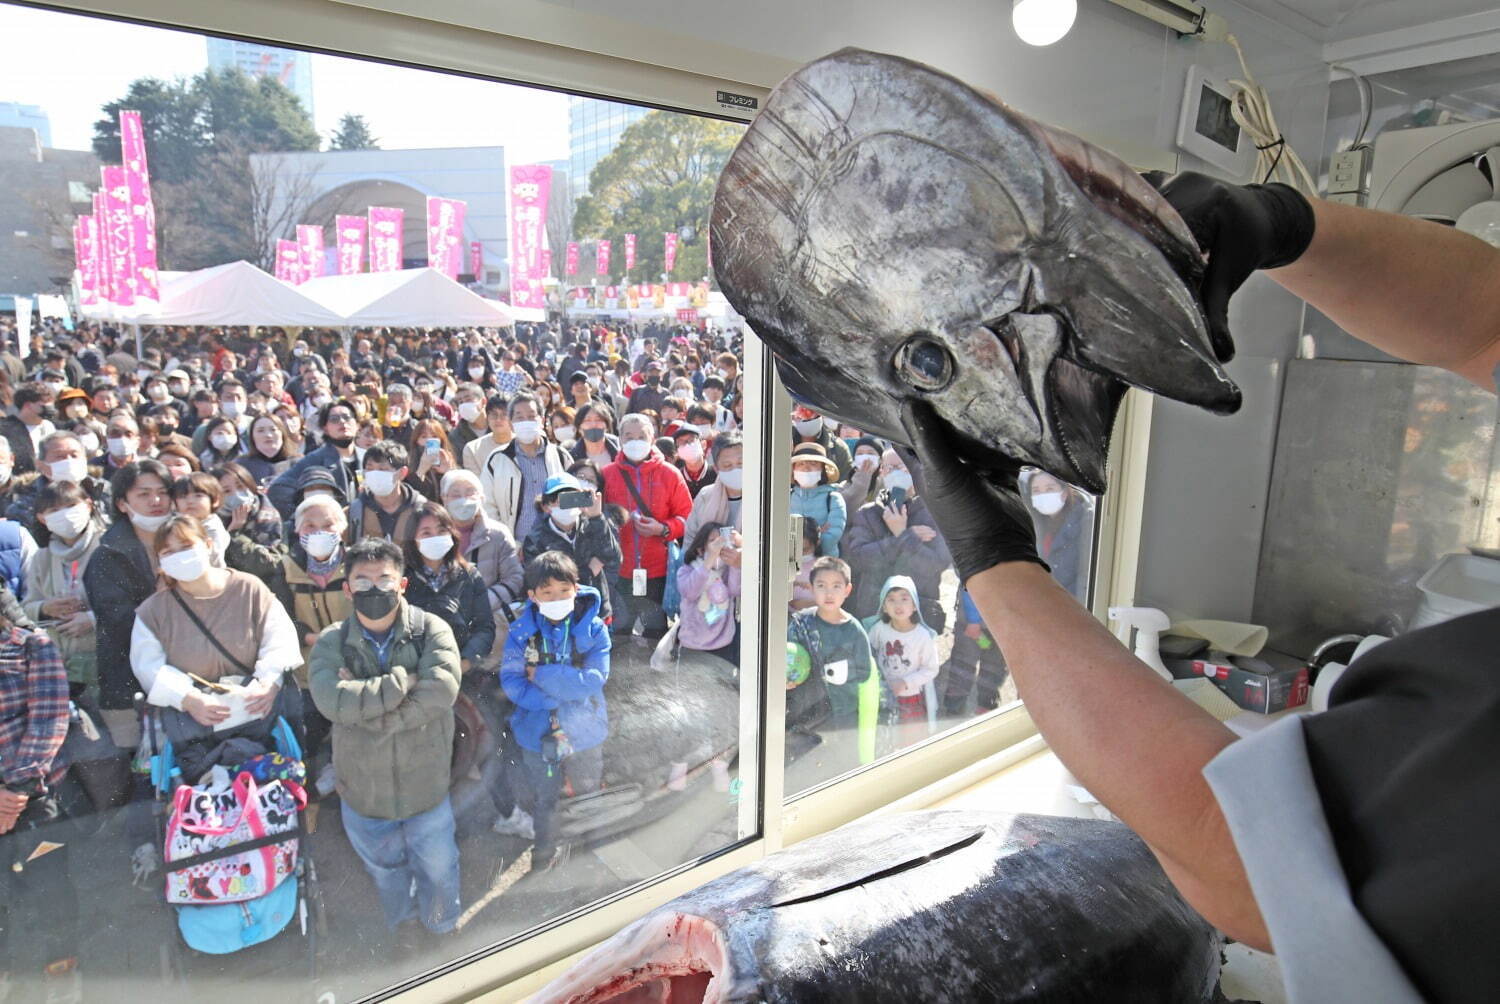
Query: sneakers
[327, 781]
[517, 824]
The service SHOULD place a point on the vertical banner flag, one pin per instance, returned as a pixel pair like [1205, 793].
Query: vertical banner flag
[572, 267]
[102, 271]
[118, 233]
[23, 325]
[476, 260]
[349, 239]
[86, 243]
[530, 190]
[671, 250]
[310, 243]
[289, 262]
[445, 235]
[601, 263]
[385, 239]
[546, 262]
[142, 211]
[629, 252]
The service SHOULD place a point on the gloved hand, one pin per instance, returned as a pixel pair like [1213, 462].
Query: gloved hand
[1242, 228]
[980, 513]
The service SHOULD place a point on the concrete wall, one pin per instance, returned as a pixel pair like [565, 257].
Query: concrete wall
[36, 214]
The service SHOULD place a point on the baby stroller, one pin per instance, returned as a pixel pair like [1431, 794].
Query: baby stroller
[234, 859]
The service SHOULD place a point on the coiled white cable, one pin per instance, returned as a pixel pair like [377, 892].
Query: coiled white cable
[1251, 108]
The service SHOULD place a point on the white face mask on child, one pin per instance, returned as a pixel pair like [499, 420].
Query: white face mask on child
[556, 610]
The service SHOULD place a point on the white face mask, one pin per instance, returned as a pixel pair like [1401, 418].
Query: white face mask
[89, 442]
[1048, 503]
[463, 509]
[232, 409]
[808, 479]
[158, 393]
[636, 450]
[185, 566]
[733, 480]
[690, 451]
[704, 431]
[320, 544]
[527, 432]
[434, 548]
[73, 469]
[223, 441]
[121, 446]
[319, 400]
[567, 519]
[476, 372]
[898, 479]
[148, 523]
[556, 610]
[809, 428]
[380, 483]
[468, 411]
[866, 461]
[564, 434]
[69, 522]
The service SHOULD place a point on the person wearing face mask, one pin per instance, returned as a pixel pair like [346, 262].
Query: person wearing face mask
[651, 395]
[234, 404]
[338, 422]
[656, 498]
[720, 501]
[122, 442]
[815, 496]
[27, 427]
[387, 678]
[121, 576]
[9, 483]
[486, 544]
[497, 418]
[692, 459]
[62, 458]
[468, 405]
[198, 495]
[514, 474]
[1061, 519]
[581, 533]
[713, 396]
[221, 441]
[896, 533]
[74, 408]
[387, 505]
[254, 526]
[443, 582]
[596, 442]
[564, 433]
[396, 417]
[808, 427]
[863, 484]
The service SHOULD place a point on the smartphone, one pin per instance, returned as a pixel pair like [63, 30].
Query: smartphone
[432, 446]
[726, 534]
[575, 500]
[898, 498]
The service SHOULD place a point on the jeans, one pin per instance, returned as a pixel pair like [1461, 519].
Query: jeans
[647, 608]
[398, 851]
[968, 662]
[584, 770]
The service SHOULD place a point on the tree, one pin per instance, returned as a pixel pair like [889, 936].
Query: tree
[200, 137]
[353, 134]
[659, 178]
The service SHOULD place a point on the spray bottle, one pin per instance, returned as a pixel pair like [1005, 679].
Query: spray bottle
[1148, 623]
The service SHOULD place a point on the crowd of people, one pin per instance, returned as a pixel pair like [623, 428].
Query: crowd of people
[357, 536]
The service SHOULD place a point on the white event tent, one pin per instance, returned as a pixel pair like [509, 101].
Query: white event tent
[236, 293]
[410, 298]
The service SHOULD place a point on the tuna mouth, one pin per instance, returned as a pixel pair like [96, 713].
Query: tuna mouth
[672, 959]
[1081, 406]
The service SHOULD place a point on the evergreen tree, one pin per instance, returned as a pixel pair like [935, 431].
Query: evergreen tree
[353, 134]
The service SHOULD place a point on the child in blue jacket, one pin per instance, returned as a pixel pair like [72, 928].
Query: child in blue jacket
[554, 668]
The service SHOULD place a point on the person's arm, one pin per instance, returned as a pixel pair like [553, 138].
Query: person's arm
[165, 685]
[46, 716]
[510, 572]
[1415, 289]
[480, 618]
[350, 702]
[1136, 743]
[280, 645]
[434, 684]
[523, 693]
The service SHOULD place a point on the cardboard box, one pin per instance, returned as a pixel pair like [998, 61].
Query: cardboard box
[1255, 685]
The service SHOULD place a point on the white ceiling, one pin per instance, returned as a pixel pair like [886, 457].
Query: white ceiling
[1338, 20]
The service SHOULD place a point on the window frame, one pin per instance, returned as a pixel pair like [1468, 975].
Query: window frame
[651, 70]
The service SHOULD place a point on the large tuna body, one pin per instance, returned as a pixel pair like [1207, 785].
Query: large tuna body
[893, 233]
[927, 906]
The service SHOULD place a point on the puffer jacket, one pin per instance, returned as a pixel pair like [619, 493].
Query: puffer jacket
[874, 555]
[463, 602]
[572, 665]
[312, 608]
[824, 506]
[594, 538]
[392, 729]
[667, 500]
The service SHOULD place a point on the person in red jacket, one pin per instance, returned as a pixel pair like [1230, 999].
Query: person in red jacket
[656, 498]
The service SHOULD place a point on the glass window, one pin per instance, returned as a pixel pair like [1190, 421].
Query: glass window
[516, 735]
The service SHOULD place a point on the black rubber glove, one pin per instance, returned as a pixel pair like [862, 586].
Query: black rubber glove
[1242, 228]
[980, 513]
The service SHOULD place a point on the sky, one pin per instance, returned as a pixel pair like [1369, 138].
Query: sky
[71, 65]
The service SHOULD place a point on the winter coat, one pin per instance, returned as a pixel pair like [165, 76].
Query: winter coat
[463, 602]
[722, 587]
[16, 548]
[492, 551]
[666, 496]
[21, 448]
[50, 576]
[26, 488]
[501, 481]
[580, 451]
[1060, 540]
[711, 506]
[365, 517]
[594, 537]
[706, 476]
[861, 489]
[392, 729]
[824, 506]
[874, 555]
[119, 579]
[312, 608]
[262, 470]
[572, 665]
[283, 491]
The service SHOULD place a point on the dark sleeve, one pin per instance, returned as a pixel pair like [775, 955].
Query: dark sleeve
[479, 617]
[283, 491]
[110, 586]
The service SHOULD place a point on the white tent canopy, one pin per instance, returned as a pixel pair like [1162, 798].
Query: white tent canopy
[236, 293]
[411, 298]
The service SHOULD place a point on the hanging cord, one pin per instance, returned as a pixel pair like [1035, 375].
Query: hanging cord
[1366, 104]
[1251, 108]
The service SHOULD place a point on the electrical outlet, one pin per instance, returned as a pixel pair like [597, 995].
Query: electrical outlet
[1346, 174]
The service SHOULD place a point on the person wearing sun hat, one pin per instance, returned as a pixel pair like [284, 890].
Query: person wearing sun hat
[815, 495]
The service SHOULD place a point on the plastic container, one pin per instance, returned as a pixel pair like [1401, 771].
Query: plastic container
[1458, 584]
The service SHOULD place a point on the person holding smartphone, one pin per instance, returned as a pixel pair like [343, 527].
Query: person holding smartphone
[710, 589]
[896, 533]
[571, 522]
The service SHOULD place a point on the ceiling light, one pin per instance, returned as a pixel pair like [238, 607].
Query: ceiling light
[1042, 22]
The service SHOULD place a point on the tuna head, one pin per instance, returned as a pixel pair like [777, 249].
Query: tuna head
[892, 233]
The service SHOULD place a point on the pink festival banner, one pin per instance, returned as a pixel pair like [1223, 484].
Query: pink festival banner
[671, 250]
[386, 226]
[572, 258]
[629, 252]
[310, 243]
[476, 260]
[289, 262]
[546, 261]
[86, 244]
[142, 211]
[530, 190]
[118, 232]
[445, 235]
[601, 263]
[101, 251]
[349, 239]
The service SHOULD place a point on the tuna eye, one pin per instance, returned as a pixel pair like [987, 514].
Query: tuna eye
[924, 364]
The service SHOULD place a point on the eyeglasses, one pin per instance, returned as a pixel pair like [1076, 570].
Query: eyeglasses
[386, 582]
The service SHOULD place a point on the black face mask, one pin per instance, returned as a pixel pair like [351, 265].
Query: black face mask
[341, 442]
[653, 381]
[375, 602]
[594, 435]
